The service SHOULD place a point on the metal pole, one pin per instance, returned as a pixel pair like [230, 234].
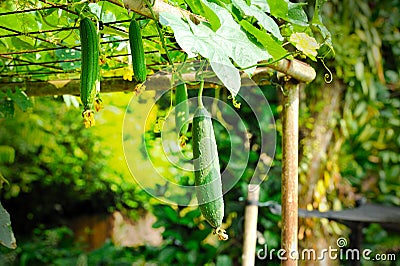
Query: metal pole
[250, 225]
[290, 138]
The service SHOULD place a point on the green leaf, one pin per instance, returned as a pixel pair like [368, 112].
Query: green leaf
[263, 19]
[6, 234]
[6, 108]
[209, 47]
[296, 14]
[19, 43]
[167, 254]
[7, 154]
[20, 98]
[273, 47]
[279, 8]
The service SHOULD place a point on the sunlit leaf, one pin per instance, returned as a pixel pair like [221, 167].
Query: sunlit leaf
[182, 32]
[200, 39]
[217, 56]
[235, 42]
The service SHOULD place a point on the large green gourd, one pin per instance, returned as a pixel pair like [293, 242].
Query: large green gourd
[207, 175]
[90, 73]
[137, 51]
[182, 112]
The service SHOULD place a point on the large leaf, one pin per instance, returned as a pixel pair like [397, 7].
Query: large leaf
[220, 46]
[263, 19]
[200, 39]
[7, 154]
[6, 234]
[209, 47]
[182, 32]
[244, 52]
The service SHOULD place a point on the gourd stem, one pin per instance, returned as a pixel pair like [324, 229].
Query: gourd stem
[200, 95]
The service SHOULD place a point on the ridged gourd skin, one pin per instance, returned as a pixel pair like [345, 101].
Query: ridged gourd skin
[90, 73]
[137, 51]
[181, 109]
[207, 175]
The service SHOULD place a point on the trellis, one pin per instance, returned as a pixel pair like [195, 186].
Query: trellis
[59, 82]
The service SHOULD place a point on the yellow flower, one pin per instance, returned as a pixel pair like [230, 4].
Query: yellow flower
[127, 74]
[308, 45]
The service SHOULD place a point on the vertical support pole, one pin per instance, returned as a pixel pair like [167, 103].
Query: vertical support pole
[290, 128]
[250, 225]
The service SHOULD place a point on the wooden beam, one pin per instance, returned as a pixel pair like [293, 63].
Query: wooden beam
[296, 69]
[158, 81]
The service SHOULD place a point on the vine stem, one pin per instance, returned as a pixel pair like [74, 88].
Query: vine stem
[200, 95]
[160, 34]
[268, 63]
[328, 77]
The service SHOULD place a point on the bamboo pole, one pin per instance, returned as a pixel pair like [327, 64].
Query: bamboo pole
[296, 69]
[158, 81]
[290, 127]
[250, 225]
